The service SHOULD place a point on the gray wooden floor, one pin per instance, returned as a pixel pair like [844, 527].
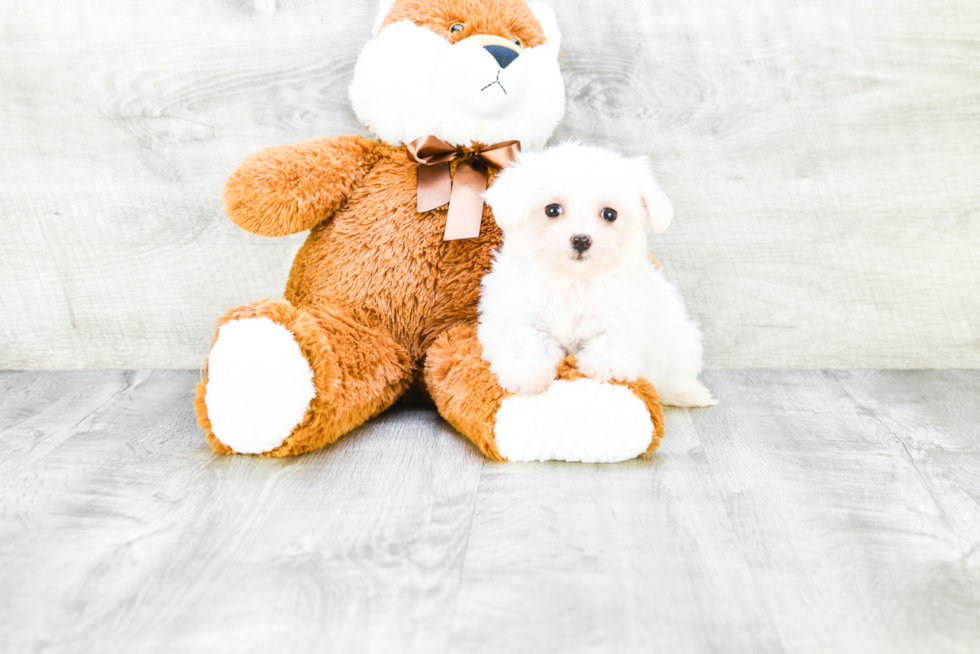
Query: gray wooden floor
[808, 512]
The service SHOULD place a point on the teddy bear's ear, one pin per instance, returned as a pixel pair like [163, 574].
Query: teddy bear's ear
[383, 10]
[659, 209]
[549, 23]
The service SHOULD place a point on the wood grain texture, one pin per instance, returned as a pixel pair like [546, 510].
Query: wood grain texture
[809, 512]
[633, 557]
[132, 536]
[822, 159]
[856, 541]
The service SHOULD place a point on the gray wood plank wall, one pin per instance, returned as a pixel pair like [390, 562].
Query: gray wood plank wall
[823, 159]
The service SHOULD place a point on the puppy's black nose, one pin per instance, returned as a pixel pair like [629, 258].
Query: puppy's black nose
[503, 56]
[581, 242]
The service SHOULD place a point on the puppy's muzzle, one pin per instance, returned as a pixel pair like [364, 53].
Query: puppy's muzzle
[581, 242]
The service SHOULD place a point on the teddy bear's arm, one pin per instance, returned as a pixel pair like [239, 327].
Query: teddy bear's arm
[290, 188]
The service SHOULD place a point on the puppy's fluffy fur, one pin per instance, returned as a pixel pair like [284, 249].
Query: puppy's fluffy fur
[609, 305]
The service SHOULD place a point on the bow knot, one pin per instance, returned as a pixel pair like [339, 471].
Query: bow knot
[464, 192]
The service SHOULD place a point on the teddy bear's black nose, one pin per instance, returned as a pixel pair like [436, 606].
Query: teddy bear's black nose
[503, 56]
[581, 242]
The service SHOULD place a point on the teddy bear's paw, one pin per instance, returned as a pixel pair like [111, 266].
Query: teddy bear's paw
[582, 420]
[693, 394]
[259, 385]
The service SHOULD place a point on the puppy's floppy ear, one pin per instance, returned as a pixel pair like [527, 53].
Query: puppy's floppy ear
[549, 23]
[659, 209]
[505, 199]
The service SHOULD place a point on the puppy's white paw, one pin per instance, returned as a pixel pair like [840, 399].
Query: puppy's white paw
[692, 395]
[609, 365]
[525, 376]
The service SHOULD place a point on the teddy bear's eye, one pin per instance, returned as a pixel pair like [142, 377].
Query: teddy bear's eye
[553, 210]
[456, 28]
[609, 215]
[518, 42]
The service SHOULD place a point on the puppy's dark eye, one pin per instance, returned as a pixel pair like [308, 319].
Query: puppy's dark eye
[456, 28]
[553, 210]
[518, 42]
[609, 215]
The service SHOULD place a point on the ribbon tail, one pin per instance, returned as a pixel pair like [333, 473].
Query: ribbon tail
[466, 206]
[501, 155]
[434, 187]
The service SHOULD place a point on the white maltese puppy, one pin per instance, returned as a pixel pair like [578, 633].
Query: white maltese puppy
[573, 277]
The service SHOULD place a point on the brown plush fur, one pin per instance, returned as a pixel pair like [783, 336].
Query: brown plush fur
[506, 18]
[373, 290]
[287, 190]
[464, 389]
[377, 301]
[349, 390]
[468, 395]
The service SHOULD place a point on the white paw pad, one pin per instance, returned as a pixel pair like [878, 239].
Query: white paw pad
[259, 385]
[581, 420]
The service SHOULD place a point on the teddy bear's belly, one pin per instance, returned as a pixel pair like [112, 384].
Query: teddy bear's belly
[391, 268]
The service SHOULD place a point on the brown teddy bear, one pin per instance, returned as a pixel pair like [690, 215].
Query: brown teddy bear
[382, 297]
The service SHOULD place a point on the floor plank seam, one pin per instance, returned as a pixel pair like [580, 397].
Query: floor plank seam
[462, 565]
[738, 537]
[71, 430]
[905, 448]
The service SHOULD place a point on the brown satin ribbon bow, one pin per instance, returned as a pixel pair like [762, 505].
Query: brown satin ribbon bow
[463, 191]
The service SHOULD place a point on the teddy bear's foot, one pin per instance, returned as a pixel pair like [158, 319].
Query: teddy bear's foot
[284, 380]
[260, 385]
[582, 420]
[575, 419]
